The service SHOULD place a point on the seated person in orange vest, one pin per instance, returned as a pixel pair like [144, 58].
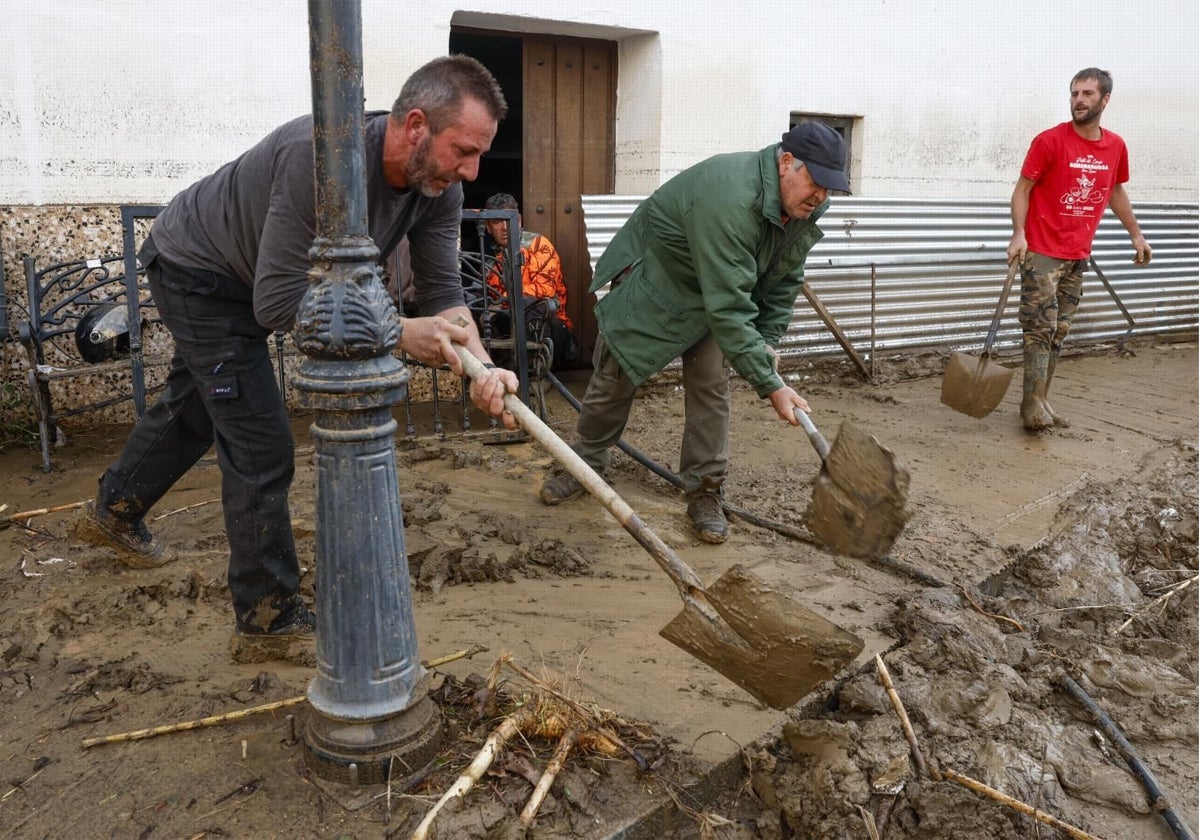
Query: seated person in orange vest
[541, 282]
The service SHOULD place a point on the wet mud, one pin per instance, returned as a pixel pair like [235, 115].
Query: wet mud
[1071, 553]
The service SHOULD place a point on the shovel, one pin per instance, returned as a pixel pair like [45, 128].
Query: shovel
[859, 498]
[976, 386]
[743, 627]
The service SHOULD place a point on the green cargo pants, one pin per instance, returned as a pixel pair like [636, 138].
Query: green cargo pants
[704, 450]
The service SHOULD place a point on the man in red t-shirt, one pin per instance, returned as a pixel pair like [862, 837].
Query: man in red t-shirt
[1071, 173]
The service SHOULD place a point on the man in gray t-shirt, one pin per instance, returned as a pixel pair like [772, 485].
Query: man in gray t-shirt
[227, 262]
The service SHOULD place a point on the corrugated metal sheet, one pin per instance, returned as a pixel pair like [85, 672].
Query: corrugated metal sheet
[902, 274]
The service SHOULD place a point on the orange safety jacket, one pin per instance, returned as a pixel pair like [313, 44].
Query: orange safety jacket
[541, 273]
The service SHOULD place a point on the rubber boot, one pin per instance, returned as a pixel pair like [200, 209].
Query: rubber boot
[1034, 414]
[1058, 419]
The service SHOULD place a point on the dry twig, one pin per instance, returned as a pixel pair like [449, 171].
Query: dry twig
[1161, 599]
[19, 518]
[982, 611]
[1041, 816]
[214, 720]
[509, 727]
[184, 509]
[465, 653]
[140, 734]
[565, 744]
[869, 822]
[918, 756]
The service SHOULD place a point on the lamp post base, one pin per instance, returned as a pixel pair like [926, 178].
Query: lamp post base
[372, 752]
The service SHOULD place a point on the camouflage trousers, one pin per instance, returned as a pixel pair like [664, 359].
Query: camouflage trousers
[1050, 292]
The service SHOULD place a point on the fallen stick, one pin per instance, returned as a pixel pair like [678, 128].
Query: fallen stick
[1179, 587]
[565, 743]
[214, 720]
[184, 508]
[465, 653]
[140, 734]
[984, 612]
[508, 727]
[1158, 799]
[918, 756]
[1016, 804]
[19, 518]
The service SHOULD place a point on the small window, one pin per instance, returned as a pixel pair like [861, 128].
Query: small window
[844, 126]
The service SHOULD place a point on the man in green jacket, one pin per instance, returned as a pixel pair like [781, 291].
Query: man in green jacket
[708, 268]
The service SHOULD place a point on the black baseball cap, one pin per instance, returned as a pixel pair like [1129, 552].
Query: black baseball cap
[822, 150]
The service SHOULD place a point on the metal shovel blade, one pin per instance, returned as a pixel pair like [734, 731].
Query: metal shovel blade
[974, 385]
[775, 648]
[750, 632]
[859, 499]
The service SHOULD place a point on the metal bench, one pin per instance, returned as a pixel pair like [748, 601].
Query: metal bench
[88, 318]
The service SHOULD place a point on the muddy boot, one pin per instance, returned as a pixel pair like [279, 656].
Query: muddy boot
[1034, 414]
[1058, 419]
[704, 507]
[291, 636]
[561, 487]
[136, 547]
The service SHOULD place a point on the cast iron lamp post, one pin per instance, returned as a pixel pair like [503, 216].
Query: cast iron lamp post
[371, 715]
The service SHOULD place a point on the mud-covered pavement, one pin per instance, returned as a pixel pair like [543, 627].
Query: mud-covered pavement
[1045, 545]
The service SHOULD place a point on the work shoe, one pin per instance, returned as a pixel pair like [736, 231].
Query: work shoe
[291, 637]
[136, 547]
[708, 517]
[561, 487]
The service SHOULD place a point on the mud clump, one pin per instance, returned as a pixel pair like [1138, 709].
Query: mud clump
[980, 674]
[440, 566]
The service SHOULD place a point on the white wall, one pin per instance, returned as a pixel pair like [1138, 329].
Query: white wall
[130, 100]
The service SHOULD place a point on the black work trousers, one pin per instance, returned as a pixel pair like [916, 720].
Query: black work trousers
[221, 390]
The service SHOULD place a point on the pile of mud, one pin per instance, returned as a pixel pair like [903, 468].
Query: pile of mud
[980, 674]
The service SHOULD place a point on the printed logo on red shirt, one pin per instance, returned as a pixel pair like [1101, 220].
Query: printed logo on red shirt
[1083, 194]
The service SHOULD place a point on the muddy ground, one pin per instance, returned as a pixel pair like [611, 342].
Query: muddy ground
[1038, 558]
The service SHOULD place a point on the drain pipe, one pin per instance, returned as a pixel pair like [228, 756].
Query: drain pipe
[1154, 792]
[789, 531]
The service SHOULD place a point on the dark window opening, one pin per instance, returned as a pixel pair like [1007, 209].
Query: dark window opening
[843, 125]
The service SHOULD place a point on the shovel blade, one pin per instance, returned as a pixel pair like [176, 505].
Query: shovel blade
[974, 385]
[859, 500]
[762, 639]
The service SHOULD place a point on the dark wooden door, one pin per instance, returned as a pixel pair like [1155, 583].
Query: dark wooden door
[569, 114]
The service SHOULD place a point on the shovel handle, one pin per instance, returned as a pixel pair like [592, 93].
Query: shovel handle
[815, 437]
[689, 584]
[991, 336]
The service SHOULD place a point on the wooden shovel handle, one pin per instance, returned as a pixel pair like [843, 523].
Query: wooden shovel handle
[815, 437]
[690, 586]
[991, 336]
